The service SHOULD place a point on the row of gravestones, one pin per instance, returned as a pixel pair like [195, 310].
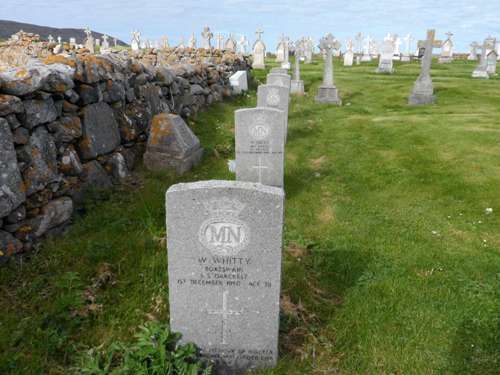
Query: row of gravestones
[224, 241]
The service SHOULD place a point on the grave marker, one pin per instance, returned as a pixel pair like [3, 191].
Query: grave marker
[327, 92]
[224, 266]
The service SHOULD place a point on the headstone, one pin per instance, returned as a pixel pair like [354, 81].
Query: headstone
[224, 242]
[230, 44]
[219, 42]
[242, 45]
[481, 70]
[89, 42]
[165, 44]
[349, 54]
[50, 39]
[136, 41]
[171, 145]
[239, 81]
[260, 145]
[285, 64]
[423, 90]
[309, 51]
[98, 42]
[259, 52]
[446, 50]
[296, 84]
[280, 50]
[279, 80]
[473, 51]
[72, 42]
[359, 43]
[105, 44]
[491, 63]
[366, 50]
[406, 57]
[327, 92]
[385, 64]
[115, 42]
[397, 47]
[274, 96]
[207, 37]
[192, 41]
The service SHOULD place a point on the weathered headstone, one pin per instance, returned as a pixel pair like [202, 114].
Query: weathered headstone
[423, 90]
[327, 92]
[406, 57]
[285, 64]
[224, 242]
[366, 50]
[239, 81]
[260, 145]
[481, 71]
[136, 41]
[259, 52]
[242, 45]
[89, 42]
[278, 71]
[192, 41]
[230, 44]
[446, 50]
[473, 51]
[219, 41]
[309, 51]
[385, 64]
[349, 54]
[280, 50]
[207, 37]
[491, 62]
[296, 84]
[171, 145]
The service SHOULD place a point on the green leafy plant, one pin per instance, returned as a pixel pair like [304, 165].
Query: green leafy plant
[156, 351]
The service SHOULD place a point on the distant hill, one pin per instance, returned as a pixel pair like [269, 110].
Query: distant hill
[7, 28]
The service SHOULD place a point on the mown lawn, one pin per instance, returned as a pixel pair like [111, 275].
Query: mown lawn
[392, 265]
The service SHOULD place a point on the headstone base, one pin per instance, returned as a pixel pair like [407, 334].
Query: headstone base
[366, 58]
[421, 99]
[396, 58]
[385, 69]
[285, 65]
[297, 87]
[328, 94]
[480, 73]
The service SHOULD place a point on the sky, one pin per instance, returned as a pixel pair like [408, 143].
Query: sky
[467, 20]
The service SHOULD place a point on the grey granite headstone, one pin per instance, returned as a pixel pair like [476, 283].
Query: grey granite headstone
[273, 96]
[224, 242]
[279, 80]
[260, 145]
[171, 145]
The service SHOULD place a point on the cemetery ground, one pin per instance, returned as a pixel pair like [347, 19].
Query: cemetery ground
[391, 263]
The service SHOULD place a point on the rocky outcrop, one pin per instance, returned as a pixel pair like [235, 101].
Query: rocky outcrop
[71, 123]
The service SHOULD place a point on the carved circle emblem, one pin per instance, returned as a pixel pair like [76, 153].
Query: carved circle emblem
[259, 130]
[224, 236]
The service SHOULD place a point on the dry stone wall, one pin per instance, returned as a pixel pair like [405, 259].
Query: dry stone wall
[73, 122]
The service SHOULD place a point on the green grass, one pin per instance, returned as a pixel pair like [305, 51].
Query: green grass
[391, 265]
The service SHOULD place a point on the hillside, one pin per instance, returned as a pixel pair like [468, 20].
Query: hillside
[7, 28]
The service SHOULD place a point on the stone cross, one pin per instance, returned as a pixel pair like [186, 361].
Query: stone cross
[207, 37]
[259, 169]
[164, 42]
[192, 41]
[328, 43]
[259, 52]
[59, 40]
[473, 51]
[408, 39]
[105, 43]
[259, 33]
[50, 39]
[136, 40]
[423, 91]
[89, 43]
[115, 42]
[297, 85]
[220, 41]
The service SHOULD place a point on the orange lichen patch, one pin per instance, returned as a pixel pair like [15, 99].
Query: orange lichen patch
[160, 128]
[58, 59]
[22, 73]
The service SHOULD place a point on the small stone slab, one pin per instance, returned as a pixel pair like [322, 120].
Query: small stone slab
[279, 71]
[273, 96]
[239, 81]
[171, 145]
[260, 145]
[224, 242]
